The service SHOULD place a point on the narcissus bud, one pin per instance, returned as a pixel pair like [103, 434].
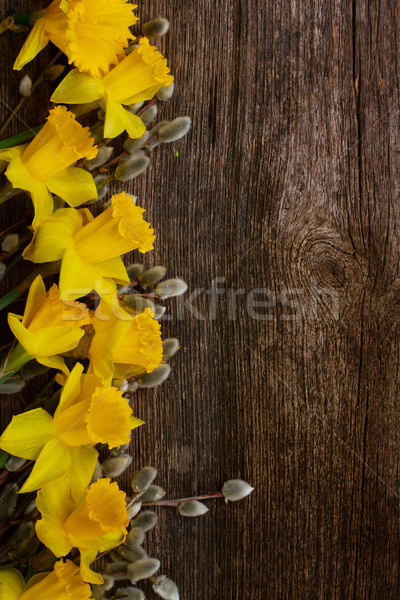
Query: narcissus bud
[25, 86]
[114, 466]
[134, 271]
[119, 566]
[165, 93]
[154, 493]
[175, 130]
[108, 583]
[159, 312]
[170, 347]
[98, 472]
[156, 377]
[149, 114]
[132, 509]
[97, 131]
[152, 276]
[142, 569]
[14, 463]
[156, 28]
[143, 479]
[133, 145]
[145, 520]
[135, 537]
[192, 508]
[166, 588]
[133, 108]
[10, 242]
[132, 166]
[104, 154]
[13, 386]
[137, 303]
[236, 489]
[102, 190]
[171, 287]
[132, 554]
[130, 593]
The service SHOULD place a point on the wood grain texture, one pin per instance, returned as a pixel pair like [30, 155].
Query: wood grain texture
[288, 182]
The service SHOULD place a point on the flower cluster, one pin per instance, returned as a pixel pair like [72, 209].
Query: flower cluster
[84, 326]
[98, 325]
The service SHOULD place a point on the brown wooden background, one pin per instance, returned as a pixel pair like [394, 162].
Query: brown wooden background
[289, 181]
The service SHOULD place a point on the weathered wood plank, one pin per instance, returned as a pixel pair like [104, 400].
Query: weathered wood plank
[289, 182]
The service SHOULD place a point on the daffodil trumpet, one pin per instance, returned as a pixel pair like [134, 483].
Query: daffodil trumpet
[64, 582]
[90, 248]
[48, 328]
[91, 33]
[136, 78]
[88, 413]
[96, 523]
[44, 166]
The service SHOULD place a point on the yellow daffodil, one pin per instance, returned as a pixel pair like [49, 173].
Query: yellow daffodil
[137, 77]
[124, 345]
[44, 165]
[49, 327]
[88, 413]
[96, 524]
[63, 583]
[92, 33]
[90, 248]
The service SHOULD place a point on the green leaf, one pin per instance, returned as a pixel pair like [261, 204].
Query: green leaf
[3, 458]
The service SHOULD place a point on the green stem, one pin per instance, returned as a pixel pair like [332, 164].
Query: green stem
[20, 138]
[9, 298]
[6, 377]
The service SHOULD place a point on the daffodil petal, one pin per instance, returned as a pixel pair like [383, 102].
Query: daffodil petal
[54, 362]
[56, 340]
[53, 502]
[13, 580]
[53, 462]
[145, 95]
[83, 463]
[134, 125]
[52, 535]
[70, 390]
[116, 119]
[28, 433]
[76, 278]
[113, 268]
[36, 297]
[87, 557]
[42, 202]
[53, 236]
[111, 540]
[73, 185]
[26, 338]
[78, 88]
[34, 43]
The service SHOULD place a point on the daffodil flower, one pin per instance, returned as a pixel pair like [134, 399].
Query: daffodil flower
[88, 413]
[44, 166]
[49, 327]
[91, 248]
[96, 524]
[92, 33]
[137, 77]
[63, 583]
[124, 345]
